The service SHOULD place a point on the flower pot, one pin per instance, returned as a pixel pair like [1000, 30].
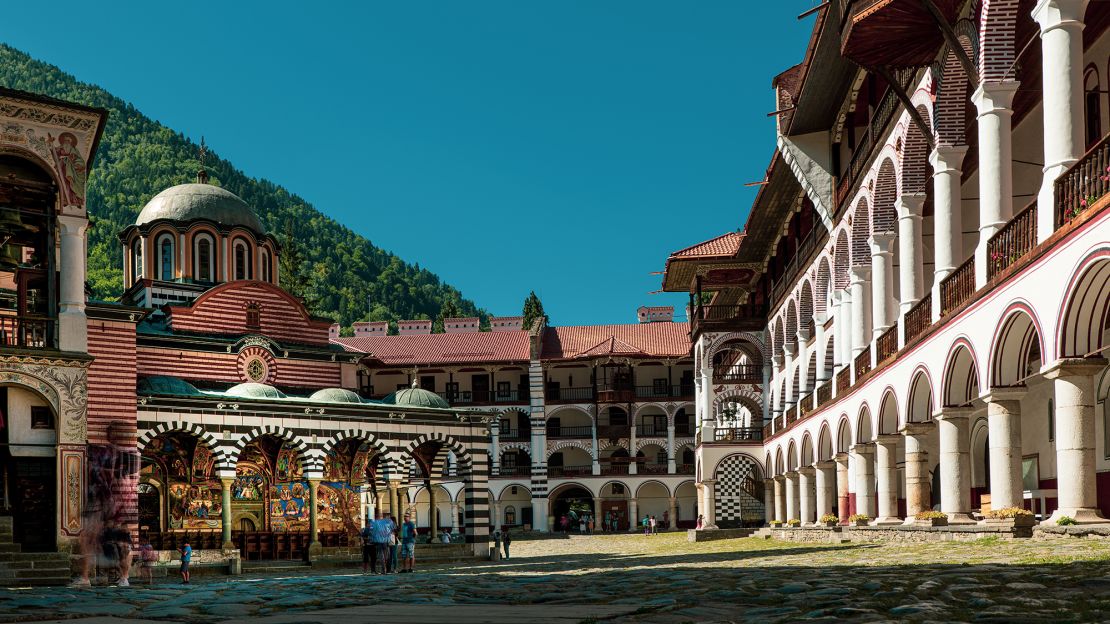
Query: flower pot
[829, 523]
[932, 522]
[860, 523]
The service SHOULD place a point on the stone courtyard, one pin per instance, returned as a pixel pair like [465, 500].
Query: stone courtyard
[633, 578]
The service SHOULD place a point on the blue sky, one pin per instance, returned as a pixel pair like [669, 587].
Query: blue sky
[565, 147]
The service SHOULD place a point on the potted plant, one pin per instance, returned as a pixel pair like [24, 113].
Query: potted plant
[931, 518]
[793, 523]
[775, 524]
[1015, 516]
[830, 520]
[859, 519]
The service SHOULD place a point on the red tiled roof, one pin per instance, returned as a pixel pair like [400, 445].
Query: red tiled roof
[505, 346]
[643, 339]
[723, 245]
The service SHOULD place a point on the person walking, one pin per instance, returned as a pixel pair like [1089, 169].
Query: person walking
[408, 545]
[369, 552]
[507, 539]
[393, 545]
[701, 521]
[147, 556]
[383, 529]
[644, 524]
[652, 523]
[186, 557]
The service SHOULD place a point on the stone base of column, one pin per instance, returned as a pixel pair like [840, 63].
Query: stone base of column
[887, 521]
[315, 549]
[960, 517]
[226, 546]
[1082, 515]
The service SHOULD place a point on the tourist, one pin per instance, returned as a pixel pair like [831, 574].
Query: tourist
[581, 526]
[104, 533]
[701, 521]
[495, 554]
[148, 557]
[652, 524]
[186, 557]
[590, 526]
[383, 529]
[408, 545]
[645, 524]
[445, 537]
[369, 552]
[506, 540]
[564, 523]
[393, 545]
[608, 523]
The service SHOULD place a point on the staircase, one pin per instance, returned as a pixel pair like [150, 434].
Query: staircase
[21, 569]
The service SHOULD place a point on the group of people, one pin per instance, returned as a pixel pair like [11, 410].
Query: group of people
[648, 523]
[380, 539]
[584, 524]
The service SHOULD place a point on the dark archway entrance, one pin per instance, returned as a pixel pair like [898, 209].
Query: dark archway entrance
[571, 503]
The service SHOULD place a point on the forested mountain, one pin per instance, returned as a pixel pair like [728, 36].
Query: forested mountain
[138, 157]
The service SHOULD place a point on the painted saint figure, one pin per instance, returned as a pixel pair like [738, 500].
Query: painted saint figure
[72, 167]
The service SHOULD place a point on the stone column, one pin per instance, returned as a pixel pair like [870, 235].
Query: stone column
[496, 516]
[709, 421]
[1004, 439]
[803, 364]
[780, 498]
[454, 520]
[825, 495]
[313, 513]
[863, 462]
[791, 396]
[634, 514]
[823, 374]
[672, 511]
[433, 521]
[993, 101]
[599, 512]
[911, 271]
[769, 500]
[73, 325]
[1073, 385]
[883, 303]
[807, 495]
[948, 219]
[671, 462]
[632, 467]
[861, 308]
[843, 493]
[955, 464]
[791, 495]
[844, 326]
[1062, 102]
[394, 499]
[919, 486]
[886, 471]
[225, 509]
[495, 449]
[710, 504]
[595, 450]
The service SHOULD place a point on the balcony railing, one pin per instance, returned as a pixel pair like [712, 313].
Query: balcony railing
[26, 332]
[861, 156]
[805, 405]
[614, 469]
[740, 316]
[1013, 241]
[652, 469]
[824, 393]
[887, 344]
[863, 362]
[649, 430]
[514, 434]
[684, 468]
[569, 471]
[1083, 184]
[768, 429]
[958, 286]
[739, 434]
[791, 415]
[515, 471]
[584, 431]
[570, 395]
[664, 392]
[843, 380]
[614, 432]
[738, 373]
[802, 258]
[919, 318]
[485, 397]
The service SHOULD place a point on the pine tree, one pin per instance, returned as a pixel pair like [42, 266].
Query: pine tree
[533, 309]
[449, 310]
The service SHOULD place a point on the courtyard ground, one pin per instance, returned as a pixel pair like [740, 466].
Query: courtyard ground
[633, 578]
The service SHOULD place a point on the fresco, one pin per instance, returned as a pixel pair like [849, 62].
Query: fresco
[194, 506]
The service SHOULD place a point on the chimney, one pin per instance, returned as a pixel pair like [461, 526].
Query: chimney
[333, 331]
[466, 325]
[414, 327]
[506, 323]
[377, 328]
[655, 314]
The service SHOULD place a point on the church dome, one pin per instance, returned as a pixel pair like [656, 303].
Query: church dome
[255, 391]
[161, 384]
[335, 395]
[189, 202]
[416, 397]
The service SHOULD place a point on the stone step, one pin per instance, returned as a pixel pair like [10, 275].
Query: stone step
[8, 547]
[270, 567]
[36, 564]
[7, 576]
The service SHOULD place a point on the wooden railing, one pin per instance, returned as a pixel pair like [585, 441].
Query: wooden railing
[802, 259]
[738, 373]
[861, 156]
[863, 362]
[791, 415]
[887, 344]
[824, 393]
[1083, 184]
[26, 332]
[740, 434]
[843, 380]
[569, 471]
[768, 429]
[805, 405]
[707, 317]
[584, 431]
[582, 394]
[958, 286]
[919, 317]
[1014, 240]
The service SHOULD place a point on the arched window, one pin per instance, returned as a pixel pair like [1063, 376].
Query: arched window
[254, 316]
[242, 260]
[266, 266]
[1092, 103]
[165, 257]
[510, 515]
[137, 260]
[204, 248]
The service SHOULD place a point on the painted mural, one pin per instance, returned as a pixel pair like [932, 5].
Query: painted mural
[183, 470]
[270, 474]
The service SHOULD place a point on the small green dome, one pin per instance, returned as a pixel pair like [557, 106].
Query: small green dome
[189, 202]
[161, 384]
[416, 397]
[335, 395]
[255, 391]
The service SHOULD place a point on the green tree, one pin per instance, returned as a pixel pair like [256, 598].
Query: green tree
[449, 310]
[533, 309]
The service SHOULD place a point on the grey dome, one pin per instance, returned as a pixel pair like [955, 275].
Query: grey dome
[335, 395]
[189, 202]
[251, 390]
[416, 397]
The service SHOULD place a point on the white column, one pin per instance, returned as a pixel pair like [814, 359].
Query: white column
[955, 464]
[496, 516]
[825, 495]
[73, 325]
[670, 446]
[453, 521]
[710, 504]
[843, 486]
[911, 271]
[804, 383]
[1004, 439]
[919, 487]
[883, 302]
[791, 495]
[780, 498]
[863, 461]
[861, 308]
[886, 473]
[819, 337]
[1061, 23]
[1073, 385]
[632, 468]
[844, 328]
[495, 449]
[709, 420]
[769, 500]
[993, 100]
[948, 216]
[807, 496]
[791, 396]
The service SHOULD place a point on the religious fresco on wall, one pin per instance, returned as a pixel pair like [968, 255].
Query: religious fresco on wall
[184, 472]
[194, 506]
[248, 487]
[337, 507]
[203, 461]
[270, 474]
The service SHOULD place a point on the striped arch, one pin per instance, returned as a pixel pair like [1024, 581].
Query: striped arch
[806, 454]
[805, 308]
[559, 445]
[952, 92]
[888, 419]
[884, 218]
[842, 259]
[312, 462]
[1083, 324]
[825, 450]
[997, 30]
[569, 408]
[844, 434]
[660, 442]
[642, 406]
[517, 446]
[915, 172]
[386, 463]
[824, 287]
[192, 429]
[462, 454]
[792, 323]
[721, 340]
[861, 232]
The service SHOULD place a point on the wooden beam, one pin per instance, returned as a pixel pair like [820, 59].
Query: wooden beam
[953, 42]
[900, 93]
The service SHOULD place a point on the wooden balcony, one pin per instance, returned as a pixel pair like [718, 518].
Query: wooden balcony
[800, 261]
[585, 431]
[569, 395]
[1013, 241]
[558, 472]
[919, 318]
[732, 317]
[664, 392]
[843, 380]
[957, 287]
[894, 33]
[805, 405]
[738, 373]
[1087, 181]
[739, 434]
[863, 362]
[824, 393]
[24, 332]
[887, 344]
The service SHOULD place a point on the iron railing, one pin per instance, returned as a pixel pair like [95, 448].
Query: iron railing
[740, 434]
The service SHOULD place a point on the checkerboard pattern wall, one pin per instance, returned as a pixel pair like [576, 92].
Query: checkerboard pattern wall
[738, 500]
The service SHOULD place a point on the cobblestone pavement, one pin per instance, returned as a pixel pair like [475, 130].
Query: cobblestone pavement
[633, 578]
